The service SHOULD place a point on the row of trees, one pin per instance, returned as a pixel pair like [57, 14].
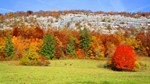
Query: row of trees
[33, 46]
[66, 43]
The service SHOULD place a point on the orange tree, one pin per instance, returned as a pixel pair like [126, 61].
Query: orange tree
[19, 47]
[3, 56]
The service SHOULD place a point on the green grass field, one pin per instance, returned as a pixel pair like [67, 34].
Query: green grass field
[71, 72]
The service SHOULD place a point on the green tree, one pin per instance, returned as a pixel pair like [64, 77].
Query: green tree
[9, 46]
[48, 47]
[70, 47]
[85, 42]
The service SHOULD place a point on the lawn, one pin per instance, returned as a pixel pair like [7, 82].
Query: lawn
[71, 72]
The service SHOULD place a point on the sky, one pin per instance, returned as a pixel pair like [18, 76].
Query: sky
[93, 5]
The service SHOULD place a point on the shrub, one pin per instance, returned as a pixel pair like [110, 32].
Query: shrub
[32, 58]
[42, 61]
[35, 60]
[124, 58]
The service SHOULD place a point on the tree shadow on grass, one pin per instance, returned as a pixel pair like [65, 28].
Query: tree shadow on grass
[87, 82]
[82, 82]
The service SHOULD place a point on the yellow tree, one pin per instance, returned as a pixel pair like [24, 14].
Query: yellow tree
[97, 47]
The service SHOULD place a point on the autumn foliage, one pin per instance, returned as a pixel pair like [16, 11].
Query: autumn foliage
[32, 57]
[34, 45]
[72, 44]
[83, 43]
[124, 58]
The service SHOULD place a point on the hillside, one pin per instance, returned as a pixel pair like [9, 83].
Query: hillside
[106, 23]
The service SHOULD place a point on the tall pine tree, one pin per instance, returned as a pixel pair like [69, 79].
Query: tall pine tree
[71, 47]
[9, 46]
[85, 42]
[48, 47]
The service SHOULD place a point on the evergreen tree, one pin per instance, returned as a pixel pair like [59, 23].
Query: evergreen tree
[48, 47]
[85, 42]
[9, 46]
[70, 47]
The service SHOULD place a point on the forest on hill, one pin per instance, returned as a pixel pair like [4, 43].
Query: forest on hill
[32, 44]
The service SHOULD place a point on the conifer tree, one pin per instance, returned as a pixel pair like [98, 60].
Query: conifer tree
[70, 47]
[9, 46]
[48, 47]
[85, 42]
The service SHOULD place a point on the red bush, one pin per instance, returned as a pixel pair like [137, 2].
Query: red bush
[124, 58]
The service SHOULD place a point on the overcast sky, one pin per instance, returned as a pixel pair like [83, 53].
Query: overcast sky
[93, 5]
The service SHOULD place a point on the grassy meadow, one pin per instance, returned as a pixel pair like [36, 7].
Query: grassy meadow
[71, 71]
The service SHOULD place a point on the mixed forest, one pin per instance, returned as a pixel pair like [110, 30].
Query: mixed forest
[36, 46]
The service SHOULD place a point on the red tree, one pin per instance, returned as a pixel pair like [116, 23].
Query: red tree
[124, 58]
